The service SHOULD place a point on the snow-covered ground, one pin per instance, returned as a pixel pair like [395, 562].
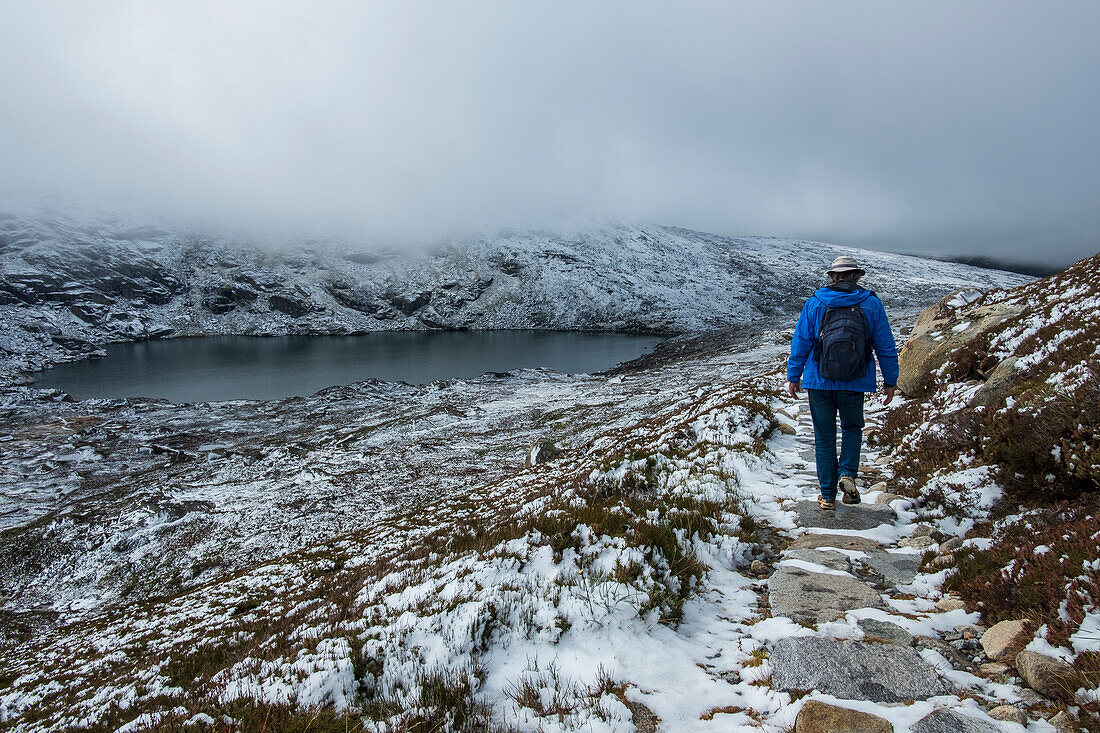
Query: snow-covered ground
[381, 549]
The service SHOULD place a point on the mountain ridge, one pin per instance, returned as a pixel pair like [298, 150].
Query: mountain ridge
[69, 286]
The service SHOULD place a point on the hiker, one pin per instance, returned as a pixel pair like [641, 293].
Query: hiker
[839, 328]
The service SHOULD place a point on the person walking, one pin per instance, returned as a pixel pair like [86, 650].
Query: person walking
[841, 329]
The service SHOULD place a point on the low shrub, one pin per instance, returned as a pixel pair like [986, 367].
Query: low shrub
[1043, 567]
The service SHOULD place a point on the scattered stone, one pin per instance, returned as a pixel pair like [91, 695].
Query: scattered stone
[885, 631]
[951, 544]
[886, 497]
[943, 561]
[950, 603]
[1009, 714]
[949, 721]
[1063, 722]
[922, 542]
[970, 631]
[882, 460]
[880, 486]
[956, 658]
[858, 516]
[818, 717]
[1002, 382]
[1033, 699]
[829, 558]
[992, 669]
[756, 567]
[810, 541]
[786, 429]
[923, 530]
[811, 598]
[1002, 641]
[853, 670]
[1045, 674]
[897, 568]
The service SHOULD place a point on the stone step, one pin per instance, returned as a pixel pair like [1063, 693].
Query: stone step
[853, 670]
[811, 598]
[812, 541]
[855, 517]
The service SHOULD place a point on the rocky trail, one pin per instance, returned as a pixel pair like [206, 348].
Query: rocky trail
[879, 647]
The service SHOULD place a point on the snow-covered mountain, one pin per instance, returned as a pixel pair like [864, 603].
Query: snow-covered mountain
[69, 283]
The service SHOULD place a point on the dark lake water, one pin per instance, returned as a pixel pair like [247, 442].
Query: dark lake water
[245, 367]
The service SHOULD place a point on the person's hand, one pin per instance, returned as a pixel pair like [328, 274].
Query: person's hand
[888, 394]
[793, 387]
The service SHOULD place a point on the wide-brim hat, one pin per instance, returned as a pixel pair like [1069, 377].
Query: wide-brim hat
[846, 264]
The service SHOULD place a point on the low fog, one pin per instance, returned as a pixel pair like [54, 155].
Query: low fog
[936, 127]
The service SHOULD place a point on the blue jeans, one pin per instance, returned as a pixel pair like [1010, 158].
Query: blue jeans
[825, 404]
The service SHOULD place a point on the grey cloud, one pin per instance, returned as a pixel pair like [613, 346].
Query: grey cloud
[942, 127]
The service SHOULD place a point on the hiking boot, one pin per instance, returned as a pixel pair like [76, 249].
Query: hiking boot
[825, 504]
[851, 493]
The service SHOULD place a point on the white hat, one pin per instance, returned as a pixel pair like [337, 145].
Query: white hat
[846, 264]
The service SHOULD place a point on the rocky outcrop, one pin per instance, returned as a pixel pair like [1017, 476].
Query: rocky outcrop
[940, 331]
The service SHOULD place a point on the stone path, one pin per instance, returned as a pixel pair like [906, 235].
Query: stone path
[854, 561]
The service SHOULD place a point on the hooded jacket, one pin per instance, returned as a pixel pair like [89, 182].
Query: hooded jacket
[801, 366]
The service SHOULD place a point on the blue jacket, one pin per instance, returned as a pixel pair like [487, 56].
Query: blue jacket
[805, 333]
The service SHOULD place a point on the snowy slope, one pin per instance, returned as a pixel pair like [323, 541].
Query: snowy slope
[69, 283]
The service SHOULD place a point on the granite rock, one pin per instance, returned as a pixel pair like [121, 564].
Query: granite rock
[819, 717]
[853, 670]
[811, 598]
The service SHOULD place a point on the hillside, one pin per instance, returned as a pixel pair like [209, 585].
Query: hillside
[72, 282]
[382, 557]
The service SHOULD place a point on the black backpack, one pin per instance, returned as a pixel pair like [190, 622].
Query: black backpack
[843, 346]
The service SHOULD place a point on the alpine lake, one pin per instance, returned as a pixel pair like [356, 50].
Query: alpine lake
[215, 368]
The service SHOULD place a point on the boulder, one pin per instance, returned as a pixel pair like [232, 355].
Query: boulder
[811, 541]
[940, 330]
[1009, 714]
[1001, 383]
[757, 567]
[786, 429]
[886, 497]
[1002, 641]
[819, 717]
[858, 516]
[885, 631]
[950, 721]
[811, 598]
[853, 670]
[1045, 674]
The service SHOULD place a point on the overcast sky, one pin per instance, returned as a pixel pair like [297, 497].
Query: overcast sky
[946, 127]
